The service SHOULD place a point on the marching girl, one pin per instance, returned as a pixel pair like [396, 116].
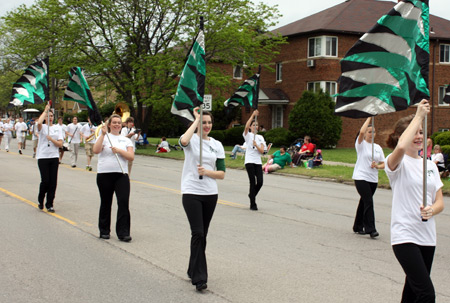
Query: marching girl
[200, 195]
[256, 146]
[413, 240]
[112, 179]
[365, 175]
[50, 140]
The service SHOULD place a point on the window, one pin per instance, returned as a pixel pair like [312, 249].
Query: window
[323, 46]
[445, 53]
[326, 86]
[441, 96]
[278, 71]
[277, 116]
[237, 72]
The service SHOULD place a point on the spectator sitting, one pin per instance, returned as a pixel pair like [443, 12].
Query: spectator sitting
[307, 150]
[163, 147]
[238, 149]
[438, 158]
[316, 161]
[140, 140]
[278, 160]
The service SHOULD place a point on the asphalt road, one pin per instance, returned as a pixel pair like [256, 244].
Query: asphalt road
[299, 247]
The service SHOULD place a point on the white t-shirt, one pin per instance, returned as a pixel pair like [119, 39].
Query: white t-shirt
[76, 134]
[165, 145]
[107, 161]
[34, 131]
[125, 131]
[88, 130]
[64, 128]
[44, 151]
[211, 151]
[1, 127]
[252, 155]
[20, 128]
[438, 157]
[362, 170]
[407, 188]
[7, 128]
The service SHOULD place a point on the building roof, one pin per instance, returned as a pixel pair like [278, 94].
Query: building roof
[272, 96]
[355, 17]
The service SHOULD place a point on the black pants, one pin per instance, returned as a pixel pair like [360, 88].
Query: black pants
[255, 176]
[416, 262]
[49, 177]
[365, 214]
[199, 210]
[108, 184]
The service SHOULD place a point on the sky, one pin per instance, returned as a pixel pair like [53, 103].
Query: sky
[292, 10]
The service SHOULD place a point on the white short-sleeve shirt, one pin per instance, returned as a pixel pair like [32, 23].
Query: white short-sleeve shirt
[407, 187]
[107, 161]
[46, 149]
[20, 128]
[74, 130]
[252, 155]
[362, 170]
[190, 182]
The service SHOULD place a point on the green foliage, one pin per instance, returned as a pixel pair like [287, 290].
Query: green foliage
[313, 115]
[218, 135]
[234, 136]
[107, 109]
[67, 118]
[139, 47]
[164, 123]
[442, 138]
[82, 116]
[278, 136]
[445, 149]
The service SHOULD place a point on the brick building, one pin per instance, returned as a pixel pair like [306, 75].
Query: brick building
[310, 60]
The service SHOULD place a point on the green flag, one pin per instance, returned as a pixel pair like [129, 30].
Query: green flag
[32, 86]
[78, 90]
[387, 69]
[191, 87]
[246, 95]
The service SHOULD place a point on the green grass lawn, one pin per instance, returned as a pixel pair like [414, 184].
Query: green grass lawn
[336, 173]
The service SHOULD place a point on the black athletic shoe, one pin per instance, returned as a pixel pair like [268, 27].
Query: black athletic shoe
[50, 210]
[201, 286]
[125, 239]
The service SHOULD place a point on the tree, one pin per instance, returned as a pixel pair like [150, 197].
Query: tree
[313, 115]
[139, 46]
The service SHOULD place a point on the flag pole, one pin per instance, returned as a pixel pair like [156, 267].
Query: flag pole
[48, 120]
[424, 200]
[201, 139]
[201, 117]
[256, 99]
[373, 136]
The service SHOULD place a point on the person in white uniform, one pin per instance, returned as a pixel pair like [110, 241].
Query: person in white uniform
[112, 178]
[130, 132]
[253, 164]
[21, 132]
[200, 195]
[7, 130]
[47, 155]
[365, 175]
[74, 136]
[64, 128]
[412, 239]
[34, 136]
[88, 134]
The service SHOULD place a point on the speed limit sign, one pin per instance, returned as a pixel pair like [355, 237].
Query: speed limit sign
[207, 103]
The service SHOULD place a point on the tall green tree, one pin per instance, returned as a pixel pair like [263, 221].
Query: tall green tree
[139, 46]
[313, 115]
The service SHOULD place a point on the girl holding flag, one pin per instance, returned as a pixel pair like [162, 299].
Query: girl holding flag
[50, 140]
[365, 175]
[413, 240]
[256, 146]
[200, 195]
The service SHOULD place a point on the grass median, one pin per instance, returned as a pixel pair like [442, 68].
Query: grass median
[335, 173]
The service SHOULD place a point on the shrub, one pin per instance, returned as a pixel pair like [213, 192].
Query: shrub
[218, 135]
[313, 115]
[445, 149]
[278, 136]
[233, 136]
[442, 138]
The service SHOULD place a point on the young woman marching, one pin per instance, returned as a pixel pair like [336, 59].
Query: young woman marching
[365, 175]
[256, 146]
[200, 195]
[112, 178]
[413, 240]
[50, 140]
